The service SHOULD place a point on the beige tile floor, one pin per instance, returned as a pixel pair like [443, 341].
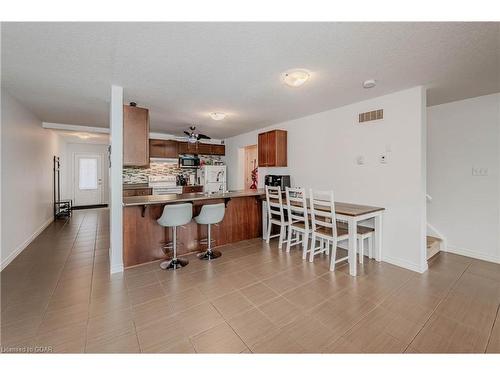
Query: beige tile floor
[58, 294]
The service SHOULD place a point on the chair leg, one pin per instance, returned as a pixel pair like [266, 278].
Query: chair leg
[289, 239]
[305, 240]
[269, 225]
[361, 250]
[313, 245]
[370, 247]
[282, 234]
[327, 247]
[334, 255]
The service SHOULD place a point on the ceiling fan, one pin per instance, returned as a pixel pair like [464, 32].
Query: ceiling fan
[193, 137]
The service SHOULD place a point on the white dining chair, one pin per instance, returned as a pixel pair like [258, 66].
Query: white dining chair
[298, 222]
[324, 226]
[275, 214]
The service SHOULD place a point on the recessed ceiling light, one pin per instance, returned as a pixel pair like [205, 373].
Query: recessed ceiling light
[295, 77]
[217, 116]
[369, 83]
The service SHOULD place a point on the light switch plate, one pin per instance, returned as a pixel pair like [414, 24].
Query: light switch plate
[360, 160]
[383, 159]
[479, 171]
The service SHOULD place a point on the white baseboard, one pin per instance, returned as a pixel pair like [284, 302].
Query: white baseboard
[24, 245]
[405, 264]
[115, 268]
[395, 261]
[472, 254]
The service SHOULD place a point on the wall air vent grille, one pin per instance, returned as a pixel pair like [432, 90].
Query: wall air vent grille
[378, 114]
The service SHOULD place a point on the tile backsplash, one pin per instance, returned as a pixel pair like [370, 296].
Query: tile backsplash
[136, 175]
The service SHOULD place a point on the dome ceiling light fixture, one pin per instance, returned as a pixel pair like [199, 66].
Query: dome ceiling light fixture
[369, 83]
[295, 77]
[218, 116]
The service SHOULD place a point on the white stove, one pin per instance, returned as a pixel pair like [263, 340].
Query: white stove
[163, 185]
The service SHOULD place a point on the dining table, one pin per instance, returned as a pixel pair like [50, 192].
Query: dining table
[352, 214]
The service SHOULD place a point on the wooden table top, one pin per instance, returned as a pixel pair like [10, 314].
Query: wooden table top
[350, 209]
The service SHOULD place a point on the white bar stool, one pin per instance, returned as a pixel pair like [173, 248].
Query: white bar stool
[210, 214]
[173, 216]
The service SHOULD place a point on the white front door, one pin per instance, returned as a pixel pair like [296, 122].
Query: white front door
[87, 179]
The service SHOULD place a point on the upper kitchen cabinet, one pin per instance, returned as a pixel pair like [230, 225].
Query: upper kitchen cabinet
[201, 148]
[135, 136]
[161, 148]
[188, 148]
[218, 150]
[272, 148]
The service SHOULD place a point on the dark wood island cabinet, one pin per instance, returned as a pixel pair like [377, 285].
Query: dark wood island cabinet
[143, 236]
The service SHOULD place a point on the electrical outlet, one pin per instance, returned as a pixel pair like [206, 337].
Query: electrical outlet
[383, 159]
[476, 171]
[360, 160]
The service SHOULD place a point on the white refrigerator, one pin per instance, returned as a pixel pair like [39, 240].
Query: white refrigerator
[213, 178]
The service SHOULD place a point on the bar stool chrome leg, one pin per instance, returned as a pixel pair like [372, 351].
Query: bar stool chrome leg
[209, 253]
[174, 262]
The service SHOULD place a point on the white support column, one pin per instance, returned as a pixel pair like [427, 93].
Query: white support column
[115, 180]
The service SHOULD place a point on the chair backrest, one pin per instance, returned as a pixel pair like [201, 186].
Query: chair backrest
[176, 214]
[211, 213]
[322, 210]
[297, 206]
[274, 202]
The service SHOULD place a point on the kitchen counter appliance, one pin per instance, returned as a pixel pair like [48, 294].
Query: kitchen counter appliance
[213, 178]
[162, 185]
[189, 162]
[283, 181]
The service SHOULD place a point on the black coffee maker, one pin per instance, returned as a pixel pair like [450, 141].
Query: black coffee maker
[283, 181]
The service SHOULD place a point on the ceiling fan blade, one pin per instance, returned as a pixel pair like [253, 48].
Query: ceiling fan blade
[187, 133]
[203, 136]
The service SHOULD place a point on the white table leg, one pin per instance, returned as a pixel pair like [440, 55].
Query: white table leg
[353, 246]
[378, 237]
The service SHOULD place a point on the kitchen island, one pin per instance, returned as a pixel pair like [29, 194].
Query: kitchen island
[143, 237]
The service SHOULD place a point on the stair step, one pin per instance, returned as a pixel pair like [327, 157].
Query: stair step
[433, 246]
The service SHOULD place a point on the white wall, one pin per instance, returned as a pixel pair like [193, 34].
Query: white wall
[27, 152]
[465, 208]
[322, 152]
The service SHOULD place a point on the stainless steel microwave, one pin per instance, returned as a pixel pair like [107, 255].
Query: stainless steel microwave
[189, 162]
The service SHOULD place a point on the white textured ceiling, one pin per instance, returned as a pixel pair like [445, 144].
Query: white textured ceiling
[183, 71]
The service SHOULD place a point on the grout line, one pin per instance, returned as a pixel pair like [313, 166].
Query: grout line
[91, 284]
[496, 320]
[437, 306]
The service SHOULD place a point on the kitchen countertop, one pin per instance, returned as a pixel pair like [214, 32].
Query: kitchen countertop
[188, 197]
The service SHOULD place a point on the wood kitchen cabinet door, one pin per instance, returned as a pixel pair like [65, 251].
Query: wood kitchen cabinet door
[161, 148]
[188, 148]
[218, 150]
[262, 149]
[157, 148]
[272, 148]
[135, 136]
[171, 149]
[204, 149]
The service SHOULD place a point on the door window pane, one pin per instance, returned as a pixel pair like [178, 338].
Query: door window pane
[88, 174]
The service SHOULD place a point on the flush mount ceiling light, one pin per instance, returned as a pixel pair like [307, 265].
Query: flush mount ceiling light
[295, 77]
[218, 116]
[369, 83]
